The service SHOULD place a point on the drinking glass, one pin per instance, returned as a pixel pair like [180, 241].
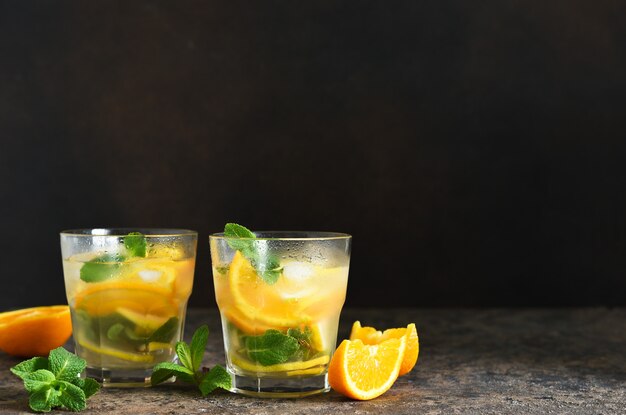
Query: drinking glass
[280, 295]
[127, 290]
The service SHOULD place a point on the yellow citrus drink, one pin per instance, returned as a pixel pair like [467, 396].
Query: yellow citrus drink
[279, 330]
[128, 311]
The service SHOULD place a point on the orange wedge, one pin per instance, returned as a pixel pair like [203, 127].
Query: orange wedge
[369, 335]
[34, 331]
[363, 372]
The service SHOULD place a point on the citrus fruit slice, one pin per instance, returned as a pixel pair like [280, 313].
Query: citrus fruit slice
[34, 331]
[280, 367]
[101, 299]
[131, 357]
[363, 372]
[259, 301]
[369, 335]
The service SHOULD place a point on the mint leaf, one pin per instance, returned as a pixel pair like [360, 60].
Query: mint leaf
[198, 344]
[184, 354]
[191, 358]
[101, 268]
[71, 396]
[233, 230]
[38, 379]
[217, 377]
[164, 371]
[271, 348]
[29, 366]
[244, 240]
[114, 333]
[65, 365]
[43, 399]
[135, 243]
[88, 385]
[55, 381]
[166, 332]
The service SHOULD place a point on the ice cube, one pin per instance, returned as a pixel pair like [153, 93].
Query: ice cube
[298, 271]
[149, 275]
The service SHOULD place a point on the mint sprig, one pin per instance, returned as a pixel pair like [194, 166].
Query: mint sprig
[244, 240]
[54, 381]
[135, 243]
[107, 265]
[191, 358]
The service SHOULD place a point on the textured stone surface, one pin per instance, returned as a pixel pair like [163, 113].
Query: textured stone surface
[493, 361]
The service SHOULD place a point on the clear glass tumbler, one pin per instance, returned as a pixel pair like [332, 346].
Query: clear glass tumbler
[280, 295]
[127, 290]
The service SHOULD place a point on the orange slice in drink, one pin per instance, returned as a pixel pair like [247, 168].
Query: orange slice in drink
[371, 336]
[108, 297]
[259, 302]
[361, 371]
[34, 331]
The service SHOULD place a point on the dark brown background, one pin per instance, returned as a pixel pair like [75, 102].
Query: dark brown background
[475, 150]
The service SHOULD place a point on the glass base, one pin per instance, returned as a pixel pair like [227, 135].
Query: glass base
[121, 378]
[288, 387]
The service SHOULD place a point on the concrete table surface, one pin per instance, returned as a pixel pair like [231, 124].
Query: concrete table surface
[472, 361]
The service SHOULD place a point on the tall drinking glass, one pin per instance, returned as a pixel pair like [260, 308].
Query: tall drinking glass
[127, 290]
[280, 295]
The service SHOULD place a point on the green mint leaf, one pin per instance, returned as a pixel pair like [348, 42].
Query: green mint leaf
[71, 396]
[114, 333]
[198, 344]
[44, 399]
[135, 243]
[271, 348]
[184, 355]
[244, 240]
[101, 268]
[164, 371]
[233, 230]
[217, 377]
[65, 365]
[41, 378]
[29, 366]
[270, 277]
[166, 332]
[88, 385]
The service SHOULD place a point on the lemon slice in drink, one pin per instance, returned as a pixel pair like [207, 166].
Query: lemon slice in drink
[281, 367]
[131, 357]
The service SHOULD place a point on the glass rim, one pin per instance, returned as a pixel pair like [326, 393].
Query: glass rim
[284, 236]
[121, 232]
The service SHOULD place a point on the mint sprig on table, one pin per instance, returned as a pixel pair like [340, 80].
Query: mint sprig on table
[54, 381]
[244, 240]
[189, 371]
[107, 266]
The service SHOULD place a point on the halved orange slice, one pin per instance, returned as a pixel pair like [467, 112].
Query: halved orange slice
[34, 331]
[364, 372]
[369, 335]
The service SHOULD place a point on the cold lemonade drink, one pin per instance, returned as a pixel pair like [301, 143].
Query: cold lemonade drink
[280, 296]
[127, 293]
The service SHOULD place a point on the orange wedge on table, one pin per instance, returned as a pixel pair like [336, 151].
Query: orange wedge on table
[369, 335]
[34, 331]
[364, 372]
[368, 364]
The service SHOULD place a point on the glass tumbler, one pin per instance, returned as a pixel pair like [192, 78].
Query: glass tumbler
[127, 290]
[280, 295]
